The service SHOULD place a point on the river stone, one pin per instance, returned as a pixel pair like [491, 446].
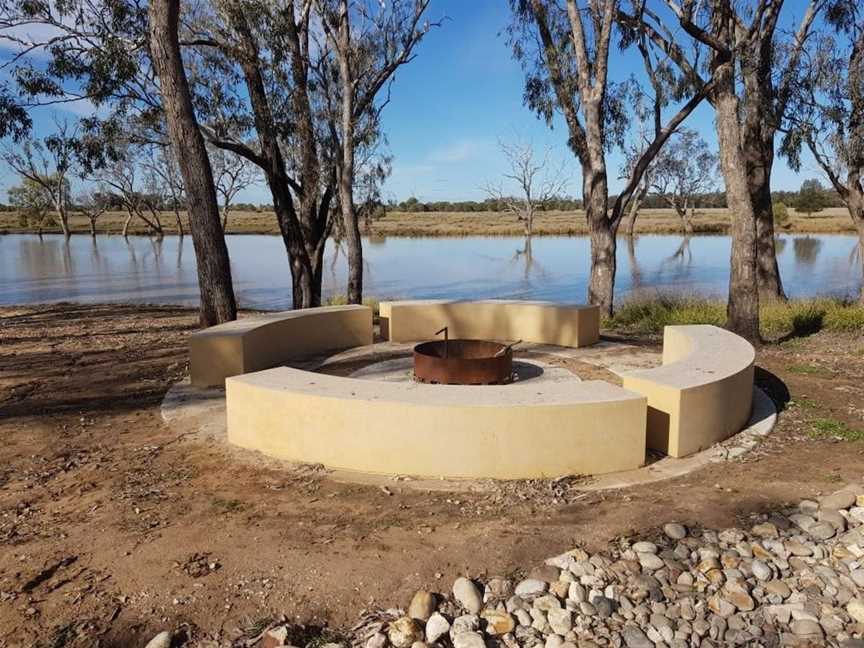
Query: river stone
[822, 530]
[765, 530]
[468, 595]
[778, 588]
[163, 640]
[561, 621]
[377, 640]
[422, 605]
[760, 570]
[842, 499]
[806, 628]
[675, 531]
[720, 606]
[531, 587]
[464, 623]
[554, 641]
[469, 640]
[635, 638]
[855, 608]
[436, 627]
[523, 617]
[650, 561]
[497, 622]
[403, 632]
[645, 547]
[547, 602]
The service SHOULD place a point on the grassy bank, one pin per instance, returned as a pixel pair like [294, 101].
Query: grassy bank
[565, 223]
[778, 319]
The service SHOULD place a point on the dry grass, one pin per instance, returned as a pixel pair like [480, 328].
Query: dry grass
[571, 223]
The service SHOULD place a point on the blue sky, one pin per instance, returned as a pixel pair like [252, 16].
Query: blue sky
[462, 93]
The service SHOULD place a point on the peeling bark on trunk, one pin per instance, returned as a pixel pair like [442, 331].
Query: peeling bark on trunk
[743, 305]
[602, 231]
[211, 253]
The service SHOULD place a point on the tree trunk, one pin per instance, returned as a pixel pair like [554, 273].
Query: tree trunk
[211, 253]
[743, 305]
[179, 220]
[633, 212]
[346, 163]
[855, 205]
[759, 181]
[93, 227]
[126, 222]
[602, 232]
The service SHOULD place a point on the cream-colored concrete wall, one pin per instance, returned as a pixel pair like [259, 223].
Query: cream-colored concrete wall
[268, 340]
[503, 432]
[703, 392]
[538, 322]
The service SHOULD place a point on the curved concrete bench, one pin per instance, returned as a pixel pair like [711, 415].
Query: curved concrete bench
[264, 341]
[497, 319]
[505, 432]
[702, 394]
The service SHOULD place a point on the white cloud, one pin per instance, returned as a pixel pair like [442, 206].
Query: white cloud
[457, 151]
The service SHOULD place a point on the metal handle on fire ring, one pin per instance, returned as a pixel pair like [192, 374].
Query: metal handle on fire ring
[507, 348]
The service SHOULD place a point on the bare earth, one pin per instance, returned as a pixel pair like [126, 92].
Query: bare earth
[112, 528]
[565, 223]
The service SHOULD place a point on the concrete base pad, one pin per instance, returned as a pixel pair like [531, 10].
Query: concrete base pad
[201, 413]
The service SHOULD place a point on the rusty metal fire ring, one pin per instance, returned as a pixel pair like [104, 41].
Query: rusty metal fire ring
[463, 362]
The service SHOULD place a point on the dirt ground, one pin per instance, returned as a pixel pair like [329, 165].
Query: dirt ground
[112, 528]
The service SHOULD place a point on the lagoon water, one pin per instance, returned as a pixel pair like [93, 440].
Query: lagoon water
[140, 269]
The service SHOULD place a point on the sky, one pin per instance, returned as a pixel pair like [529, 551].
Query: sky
[452, 104]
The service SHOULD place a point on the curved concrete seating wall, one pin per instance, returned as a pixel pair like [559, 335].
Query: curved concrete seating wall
[539, 322]
[506, 432]
[264, 341]
[702, 394]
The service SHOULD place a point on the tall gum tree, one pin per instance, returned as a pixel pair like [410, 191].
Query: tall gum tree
[726, 33]
[370, 40]
[96, 52]
[565, 50]
[214, 269]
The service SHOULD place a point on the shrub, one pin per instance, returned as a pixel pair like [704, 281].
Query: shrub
[781, 214]
[798, 317]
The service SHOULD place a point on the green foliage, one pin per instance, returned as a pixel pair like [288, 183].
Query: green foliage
[781, 214]
[799, 317]
[811, 197]
[32, 202]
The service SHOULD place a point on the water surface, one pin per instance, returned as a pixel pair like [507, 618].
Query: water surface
[140, 269]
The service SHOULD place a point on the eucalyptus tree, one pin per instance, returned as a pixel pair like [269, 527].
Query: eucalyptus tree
[99, 51]
[829, 110]
[685, 168]
[48, 162]
[370, 40]
[565, 49]
[734, 44]
[255, 68]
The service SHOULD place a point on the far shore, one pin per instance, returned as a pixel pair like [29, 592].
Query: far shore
[456, 224]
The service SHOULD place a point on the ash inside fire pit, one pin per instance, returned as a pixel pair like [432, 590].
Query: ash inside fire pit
[463, 362]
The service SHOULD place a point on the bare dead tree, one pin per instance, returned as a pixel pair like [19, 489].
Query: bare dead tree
[536, 179]
[566, 51]
[370, 41]
[233, 174]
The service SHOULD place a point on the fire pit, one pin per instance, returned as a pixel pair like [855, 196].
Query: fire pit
[463, 362]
